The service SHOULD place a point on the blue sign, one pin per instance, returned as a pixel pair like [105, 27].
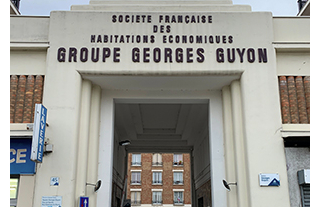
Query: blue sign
[20, 151]
[40, 116]
[84, 202]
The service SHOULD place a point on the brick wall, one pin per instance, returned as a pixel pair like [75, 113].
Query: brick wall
[204, 193]
[25, 92]
[295, 99]
[167, 178]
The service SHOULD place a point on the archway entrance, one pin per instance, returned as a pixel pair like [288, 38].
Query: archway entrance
[162, 115]
[164, 139]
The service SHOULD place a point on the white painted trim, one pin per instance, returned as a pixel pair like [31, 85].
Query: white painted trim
[178, 170]
[136, 170]
[157, 170]
[295, 130]
[132, 189]
[157, 190]
[21, 129]
[178, 190]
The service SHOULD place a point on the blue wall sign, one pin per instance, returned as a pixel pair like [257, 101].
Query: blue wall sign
[40, 116]
[84, 202]
[20, 151]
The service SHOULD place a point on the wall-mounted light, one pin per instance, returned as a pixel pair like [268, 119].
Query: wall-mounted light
[226, 185]
[97, 186]
[125, 142]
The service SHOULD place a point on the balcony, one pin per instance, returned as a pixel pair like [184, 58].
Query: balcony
[178, 182]
[135, 182]
[136, 203]
[157, 182]
[136, 163]
[179, 163]
[157, 202]
[157, 163]
[178, 203]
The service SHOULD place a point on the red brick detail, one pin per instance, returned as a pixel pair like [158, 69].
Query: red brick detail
[24, 93]
[303, 119]
[13, 96]
[295, 99]
[307, 95]
[293, 104]
[285, 111]
[20, 99]
[27, 112]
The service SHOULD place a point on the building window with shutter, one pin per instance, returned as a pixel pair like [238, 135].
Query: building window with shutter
[157, 159]
[305, 195]
[178, 160]
[304, 183]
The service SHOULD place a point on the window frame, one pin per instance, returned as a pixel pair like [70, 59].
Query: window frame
[178, 160]
[137, 181]
[181, 202]
[159, 176]
[157, 159]
[135, 161]
[178, 181]
[157, 201]
[134, 200]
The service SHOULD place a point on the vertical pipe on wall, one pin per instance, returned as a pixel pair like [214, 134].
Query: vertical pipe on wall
[93, 152]
[241, 166]
[82, 156]
[229, 146]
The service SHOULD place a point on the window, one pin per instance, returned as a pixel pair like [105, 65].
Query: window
[13, 191]
[157, 159]
[157, 198]
[135, 198]
[178, 198]
[136, 178]
[178, 178]
[178, 160]
[136, 160]
[157, 177]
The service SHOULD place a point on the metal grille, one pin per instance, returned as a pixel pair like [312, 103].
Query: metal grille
[305, 195]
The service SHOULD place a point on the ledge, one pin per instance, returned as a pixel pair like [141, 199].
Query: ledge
[21, 129]
[29, 45]
[295, 130]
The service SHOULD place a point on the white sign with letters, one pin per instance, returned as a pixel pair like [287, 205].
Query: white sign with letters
[269, 179]
[51, 201]
[40, 116]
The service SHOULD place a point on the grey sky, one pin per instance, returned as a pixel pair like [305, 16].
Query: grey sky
[43, 7]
